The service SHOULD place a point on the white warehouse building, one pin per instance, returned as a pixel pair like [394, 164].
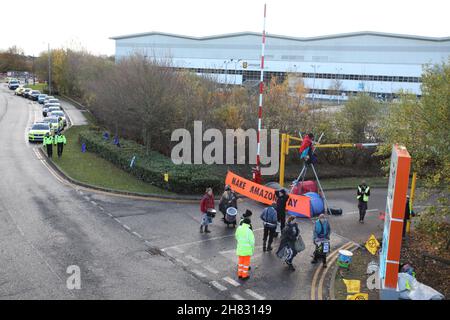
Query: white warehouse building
[378, 63]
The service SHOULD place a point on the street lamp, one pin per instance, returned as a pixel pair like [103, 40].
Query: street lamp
[235, 67]
[314, 80]
[338, 71]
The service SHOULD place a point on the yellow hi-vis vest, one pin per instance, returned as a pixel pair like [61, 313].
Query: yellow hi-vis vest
[245, 240]
[364, 193]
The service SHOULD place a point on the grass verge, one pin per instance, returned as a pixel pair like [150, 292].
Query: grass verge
[37, 86]
[91, 169]
[357, 271]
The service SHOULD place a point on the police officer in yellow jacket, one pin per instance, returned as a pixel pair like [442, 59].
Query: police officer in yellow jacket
[60, 141]
[48, 143]
[362, 195]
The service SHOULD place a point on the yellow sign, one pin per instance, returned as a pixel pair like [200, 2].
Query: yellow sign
[166, 177]
[372, 245]
[358, 296]
[353, 286]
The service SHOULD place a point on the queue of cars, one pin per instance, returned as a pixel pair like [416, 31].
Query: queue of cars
[54, 117]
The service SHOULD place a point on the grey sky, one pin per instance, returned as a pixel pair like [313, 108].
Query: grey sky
[89, 23]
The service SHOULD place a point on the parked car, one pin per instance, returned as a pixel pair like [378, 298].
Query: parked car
[45, 108]
[48, 98]
[58, 114]
[26, 91]
[19, 91]
[13, 84]
[52, 101]
[33, 95]
[53, 122]
[38, 131]
[41, 98]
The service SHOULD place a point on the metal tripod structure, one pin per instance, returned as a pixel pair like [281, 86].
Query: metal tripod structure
[302, 176]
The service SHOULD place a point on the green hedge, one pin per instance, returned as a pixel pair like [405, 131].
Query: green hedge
[151, 167]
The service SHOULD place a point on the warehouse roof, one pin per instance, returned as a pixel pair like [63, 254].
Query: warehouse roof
[302, 39]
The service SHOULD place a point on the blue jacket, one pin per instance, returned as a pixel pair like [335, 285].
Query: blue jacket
[322, 230]
[269, 217]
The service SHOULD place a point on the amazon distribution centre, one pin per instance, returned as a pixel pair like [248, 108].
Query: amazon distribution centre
[332, 67]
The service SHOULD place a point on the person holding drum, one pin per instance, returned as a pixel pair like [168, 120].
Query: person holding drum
[321, 238]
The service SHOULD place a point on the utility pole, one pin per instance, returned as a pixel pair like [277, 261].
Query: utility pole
[49, 72]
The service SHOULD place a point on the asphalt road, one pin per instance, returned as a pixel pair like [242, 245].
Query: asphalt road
[130, 248]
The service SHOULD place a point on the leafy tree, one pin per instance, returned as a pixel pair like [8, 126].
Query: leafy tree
[357, 120]
[422, 125]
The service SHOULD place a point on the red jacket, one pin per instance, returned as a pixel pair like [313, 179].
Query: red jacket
[207, 203]
[307, 142]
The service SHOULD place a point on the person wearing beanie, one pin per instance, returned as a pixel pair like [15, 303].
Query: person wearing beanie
[245, 248]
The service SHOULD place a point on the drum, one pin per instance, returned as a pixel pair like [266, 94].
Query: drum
[344, 259]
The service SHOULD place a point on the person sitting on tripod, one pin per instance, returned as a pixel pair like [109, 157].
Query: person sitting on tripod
[306, 149]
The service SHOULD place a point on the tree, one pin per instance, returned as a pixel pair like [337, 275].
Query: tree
[13, 59]
[357, 120]
[422, 125]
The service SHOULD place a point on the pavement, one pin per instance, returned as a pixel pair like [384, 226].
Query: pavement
[128, 248]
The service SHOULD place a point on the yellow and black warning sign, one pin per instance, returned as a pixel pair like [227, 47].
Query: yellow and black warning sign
[372, 245]
[358, 296]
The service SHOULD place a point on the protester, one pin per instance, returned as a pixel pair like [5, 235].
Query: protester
[362, 195]
[306, 148]
[269, 218]
[245, 248]
[289, 236]
[321, 232]
[228, 199]
[282, 198]
[206, 203]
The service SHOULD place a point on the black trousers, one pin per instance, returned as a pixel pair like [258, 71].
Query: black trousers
[282, 216]
[49, 150]
[362, 206]
[60, 148]
[268, 233]
[318, 255]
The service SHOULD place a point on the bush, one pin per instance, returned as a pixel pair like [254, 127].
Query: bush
[151, 166]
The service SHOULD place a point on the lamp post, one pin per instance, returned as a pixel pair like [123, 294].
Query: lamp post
[235, 68]
[338, 71]
[49, 72]
[314, 81]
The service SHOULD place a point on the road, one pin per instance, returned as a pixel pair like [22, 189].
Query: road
[129, 248]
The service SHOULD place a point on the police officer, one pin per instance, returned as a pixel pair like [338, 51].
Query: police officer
[60, 141]
[362, 195]
[60, 123]
[48, 143]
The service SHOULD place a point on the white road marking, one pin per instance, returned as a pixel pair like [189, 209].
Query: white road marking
[93, 202]
[237, 297]
[181, 262]
[137, 234]
[117, 220]
[218, 286]
[193, 259]
[254, 294]
[126, 227]
[177, 249]
[199, 273]
[101, 208]
[231, 281]
[211, 269]
[206, 240]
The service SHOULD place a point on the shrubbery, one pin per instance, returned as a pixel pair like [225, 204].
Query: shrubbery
[151, 166]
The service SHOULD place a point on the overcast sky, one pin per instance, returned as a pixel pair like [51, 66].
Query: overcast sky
[32, 24]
